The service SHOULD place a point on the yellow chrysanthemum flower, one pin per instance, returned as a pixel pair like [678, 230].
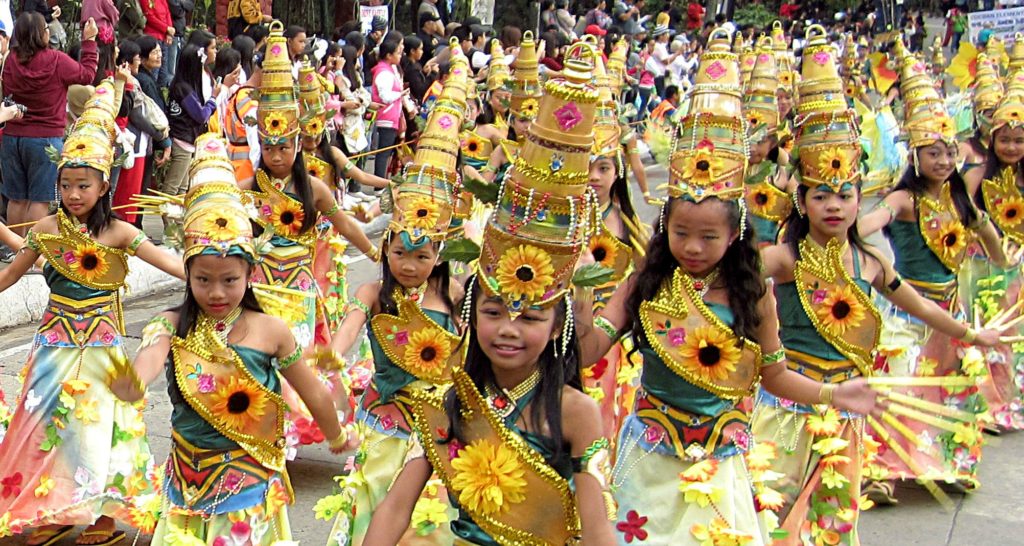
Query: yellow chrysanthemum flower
[710, 353]
[237, 404]
[826, 424]
[700, 472]
[832, 479]
[429, 514]
[422, 213]
[828, 446]
[761, 456]
[427, 350]
[840, 310]
[488, 478]
[46, 483]
[718, 533]
[525, 271]
[702, 493]
[771, 499]
[90, 262]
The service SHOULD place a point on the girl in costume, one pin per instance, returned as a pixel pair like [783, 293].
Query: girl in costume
[289, 203]
[705, 324]
[416, 287]
[491, 128]
[988, 91]
[517, 444]
[930, 221]
[823, 276]
[74, 454]
[786, 92]
[225, 479]
[767, 182]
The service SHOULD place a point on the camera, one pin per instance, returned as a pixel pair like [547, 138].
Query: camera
[8, 101]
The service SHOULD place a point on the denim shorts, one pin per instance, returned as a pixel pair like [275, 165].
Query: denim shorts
[28, 173]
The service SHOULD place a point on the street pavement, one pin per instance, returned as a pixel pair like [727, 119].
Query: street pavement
[992, 515]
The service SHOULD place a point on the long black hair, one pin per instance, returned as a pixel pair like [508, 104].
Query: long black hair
[303, 188]
[247, 49]
[555, 373]
[620, 196]
[350, 70]
[326, 150]
[993, 166]
[188, 78]
[917, 186]
[740, 271]
[101, 214]
[441, 274]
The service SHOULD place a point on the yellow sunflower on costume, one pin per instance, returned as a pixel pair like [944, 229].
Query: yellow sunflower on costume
[710, 353]
[702, 167]
[238, 404]
[427, 350]
[604, 249]
[275, 124]
[422, 213]
[488, 478]
[220, 227]
[953, 238]
[762, 202]
[316, 169]
[287, 218]
[474, 146]
[1010, 212]
[840, 310]
[525, 271]
[833, 165]
[89, 261]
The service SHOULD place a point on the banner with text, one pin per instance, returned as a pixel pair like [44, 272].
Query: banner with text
[1004, 23]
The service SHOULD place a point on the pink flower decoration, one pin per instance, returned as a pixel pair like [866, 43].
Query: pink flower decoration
[265, 210]
[445, 122]
[207, 383]
[232, 479]
[454, 447]
[653, 435]
[275, 49]
[107, 338]
[676, 336]
[763, 58]
[69, 257]
[741, 440]
[568, 116]
[716, 70]
[51, 337]
[402, 338]
[819, 296]
[240, 532]
[822, 57]
[220, 541]
[387, 422]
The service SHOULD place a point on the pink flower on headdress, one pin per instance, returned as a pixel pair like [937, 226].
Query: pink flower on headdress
[821, 57]
[275, 49]
[445, 122]
[568, 116]
[309, 77]
[213, 145]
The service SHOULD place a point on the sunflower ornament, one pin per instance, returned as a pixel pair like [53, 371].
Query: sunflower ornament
[839, 309]
[604, 249]
[524, 271]
[422, 213]
[1004, 200]
[287, 217]
[88, 261]
[488, 477]
[428, 349]
[710, 353]
[238, 404]
[833, 165]
[702, 166]
[275, 124]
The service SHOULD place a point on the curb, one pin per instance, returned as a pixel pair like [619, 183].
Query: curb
[25, 301]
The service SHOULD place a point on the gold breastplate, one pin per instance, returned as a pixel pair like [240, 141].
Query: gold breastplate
[80, 258]
[942, 230]
[1004, 202]
[278, 211]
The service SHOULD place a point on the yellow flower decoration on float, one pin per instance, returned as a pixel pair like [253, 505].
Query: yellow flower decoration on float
[275, 124]
[1011, 212]
[238, 404]
[427, 349]
[524, 271]
[89, 262]
[953, 238]
[422, 213]
[833, 165]
[488, 478]
[287, 218]
[840, 310]
[702, 167]
[710, 353]
[603, 248]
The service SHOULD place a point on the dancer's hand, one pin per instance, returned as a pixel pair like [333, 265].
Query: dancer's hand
[857, 397]
[126, 388]
[987, 337]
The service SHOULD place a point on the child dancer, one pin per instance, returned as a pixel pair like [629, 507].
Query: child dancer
[225, 478]
[73, 454]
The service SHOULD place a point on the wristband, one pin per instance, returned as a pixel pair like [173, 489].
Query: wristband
[969, 336]
[339, 442]
[774, 358]
[826, 394]
[607, 327]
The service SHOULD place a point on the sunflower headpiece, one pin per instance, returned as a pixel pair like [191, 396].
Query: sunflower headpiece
[499, 77]
[760, 102]
[216, 220]
[926, 119]
[827, 136]
[525, 84]
[311, 102]
[1010, 111]
[710, 153]
[278, 110]
[545, 209]
[91, 142]
[784, 60]
[424, 201]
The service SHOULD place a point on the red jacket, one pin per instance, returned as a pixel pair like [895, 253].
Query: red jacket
[42, 86]
[694, 15]
[158, 18]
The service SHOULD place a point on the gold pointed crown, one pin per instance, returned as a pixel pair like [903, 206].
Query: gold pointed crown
[498, 74]
[827, 135]
[710, 157]
[216, 220]
[783, 59]
[1017, 52]
[91, 141]
[607, 129]
[1010, 111]
[760, 102]
[526, 90]
[926, 119]
[545, 209]
[938, 58]
[312, 101]
[617, 65]
[988, 87]
[424, 201]
[278, 110]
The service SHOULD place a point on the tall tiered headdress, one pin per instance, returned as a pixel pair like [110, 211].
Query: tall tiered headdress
[1010, 110]
[545, 209]
[987, 92]
[498, 74]
[827, 136]
[617, 66]
[760, 102]
[312, 102]
[91, 142]
[926, 119]
[216, 221]
[525, 83]
[424, 203]
[278, 111]
[784, 61]
[709, 158]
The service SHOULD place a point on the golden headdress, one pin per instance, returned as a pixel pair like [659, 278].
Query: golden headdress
[545, 209]
[312, 102]
[827, 136]
[617, 65]
[1017, 53]
[987, 92]
[783, 59]
[525, 83]
[926, 119]
[216, 220]
[760, 102]
[738, 44]
[424, 201]
[748, 58]
[710, 155]
[91, 142]
[278, 111]
[498, 74]
[607, 129]
[1010, 111]
[938, 58]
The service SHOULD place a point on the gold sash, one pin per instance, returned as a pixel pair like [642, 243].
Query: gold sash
[764, 199]
[1004, 202]
[319, 168]
[278, 211]
[217, 385]
[539, 507]
[942, 230]
[417, 344]
[839, 310]
[695, 344]
[80, 258]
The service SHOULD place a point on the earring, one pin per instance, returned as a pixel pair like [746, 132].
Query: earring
[917, 162]
[743, 217]
[567, 327]
[467, 302]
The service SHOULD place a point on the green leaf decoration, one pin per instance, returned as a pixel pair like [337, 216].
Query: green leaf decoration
[486, 192]
[593, 275]
[460, 250]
